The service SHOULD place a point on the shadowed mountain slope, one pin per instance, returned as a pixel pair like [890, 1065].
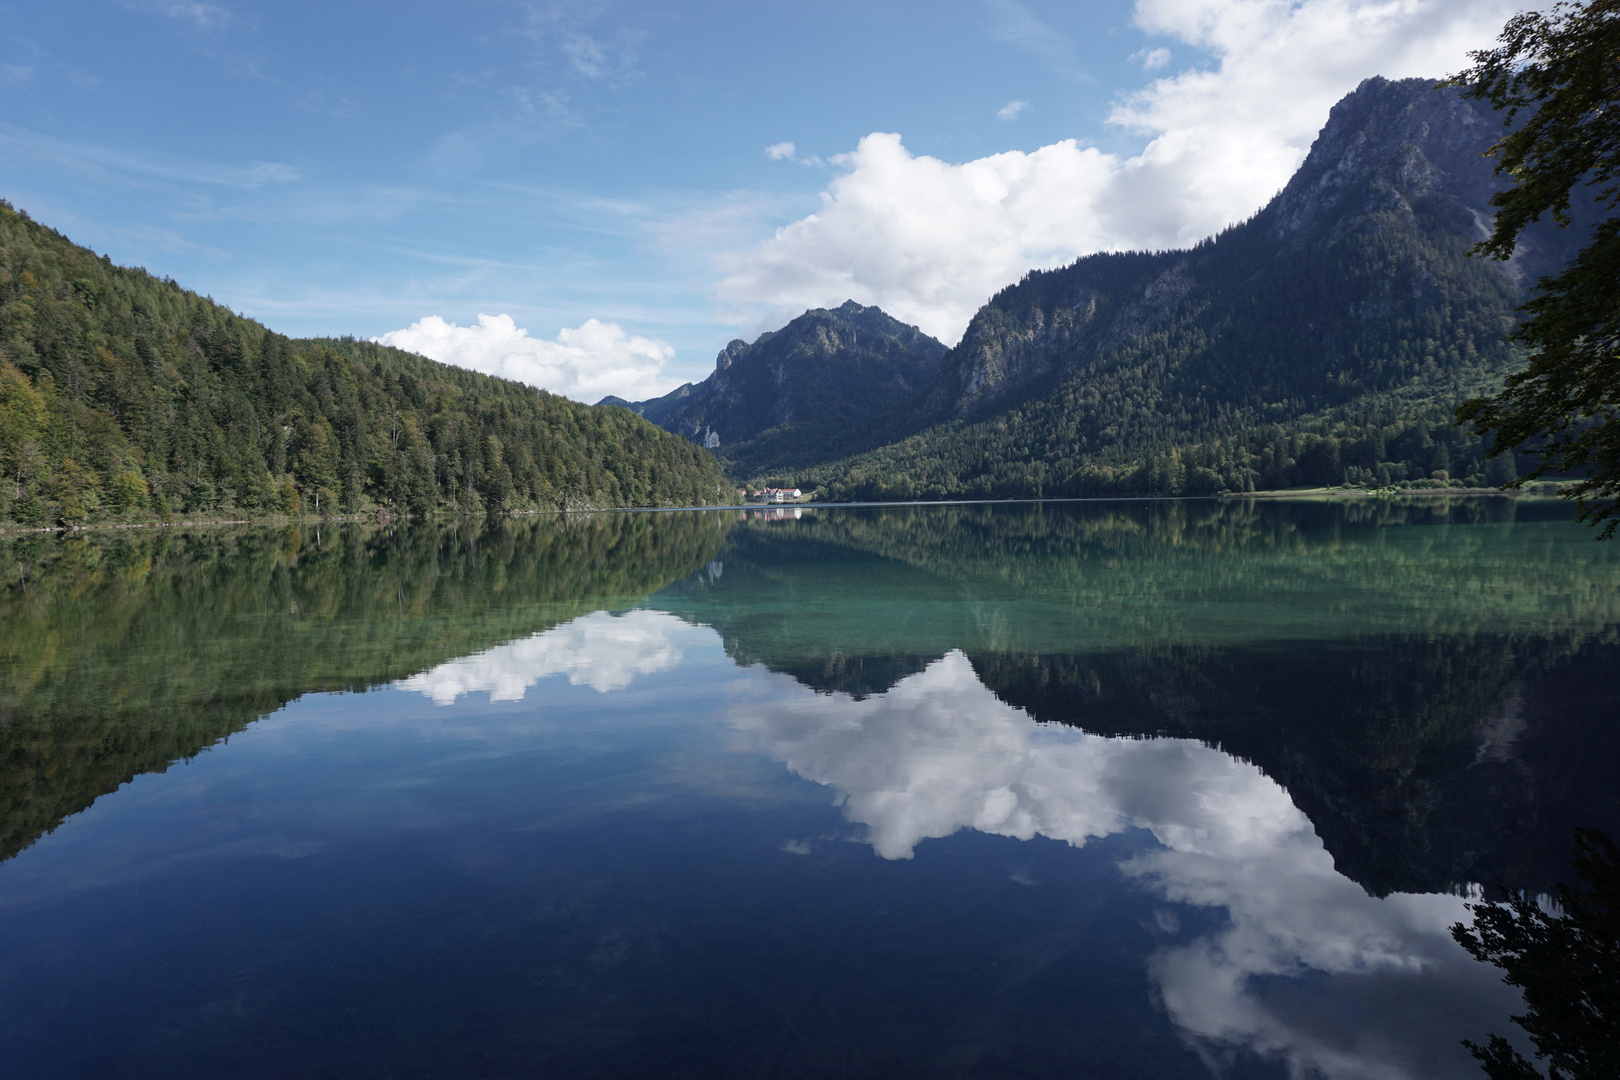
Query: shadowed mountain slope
[827, 382]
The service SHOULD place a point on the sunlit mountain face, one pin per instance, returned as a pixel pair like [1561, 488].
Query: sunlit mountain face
[1170, 789]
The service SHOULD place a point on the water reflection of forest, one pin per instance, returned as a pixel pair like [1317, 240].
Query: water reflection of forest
[121, 653]
[1431, 692]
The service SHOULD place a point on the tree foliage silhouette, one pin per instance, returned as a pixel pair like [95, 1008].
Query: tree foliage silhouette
[1566, 963]
[1562, 67]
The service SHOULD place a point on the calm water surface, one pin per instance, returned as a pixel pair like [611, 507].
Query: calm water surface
[1110, 789]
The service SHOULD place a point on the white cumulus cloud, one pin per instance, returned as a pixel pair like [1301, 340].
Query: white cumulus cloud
[925, 240]
[585, 363]
[930, 241]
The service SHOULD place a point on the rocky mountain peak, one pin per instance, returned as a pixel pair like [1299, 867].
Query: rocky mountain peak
[1371, 232]
[827, 367]
[1386, 145]
[728, 355]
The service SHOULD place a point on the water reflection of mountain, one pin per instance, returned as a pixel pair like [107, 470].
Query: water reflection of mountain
[1422, 764]
[1426, 678]
[122, 653]
[939, 753]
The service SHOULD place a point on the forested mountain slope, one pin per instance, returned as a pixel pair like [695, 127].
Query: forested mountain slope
[829, 382]
[1324, 341]
[122, 395]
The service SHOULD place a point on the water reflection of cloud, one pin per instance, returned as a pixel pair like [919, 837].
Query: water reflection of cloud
[600, 650]
[939, 753]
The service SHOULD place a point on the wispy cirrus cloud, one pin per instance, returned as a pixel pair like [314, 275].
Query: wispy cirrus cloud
[202, 15]
[253, 174]
[1011, 23]
[570, 58]
[224, 34]
[574, 47]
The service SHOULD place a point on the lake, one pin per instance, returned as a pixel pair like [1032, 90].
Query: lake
[1124, 789]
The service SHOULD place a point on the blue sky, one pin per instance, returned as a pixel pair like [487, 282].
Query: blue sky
[611, 185]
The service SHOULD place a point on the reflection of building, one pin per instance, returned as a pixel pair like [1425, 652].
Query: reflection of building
[783, 514]
[778, 494]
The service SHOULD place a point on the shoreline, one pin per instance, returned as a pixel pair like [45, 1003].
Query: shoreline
[1302, 494]
[1380, 493]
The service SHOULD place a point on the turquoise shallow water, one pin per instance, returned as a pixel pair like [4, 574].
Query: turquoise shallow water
[1111, 789]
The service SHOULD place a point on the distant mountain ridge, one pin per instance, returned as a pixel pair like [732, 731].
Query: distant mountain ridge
[1324, 341]
[825, 379]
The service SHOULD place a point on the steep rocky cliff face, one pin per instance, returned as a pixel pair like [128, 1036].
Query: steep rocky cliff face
[1407, 149]
[1026, 340]
[1394, 157]
[1390, 146]
[827, 369]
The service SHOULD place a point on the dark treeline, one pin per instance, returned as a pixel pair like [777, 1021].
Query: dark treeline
[126, 396]
[1009, 459]
[122, 652]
